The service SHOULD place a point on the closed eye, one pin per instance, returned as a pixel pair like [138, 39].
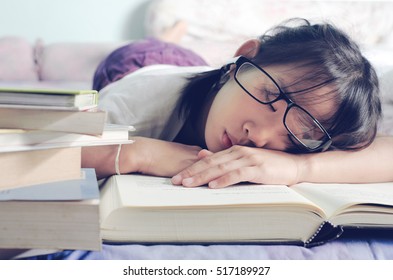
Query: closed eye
[270, 95]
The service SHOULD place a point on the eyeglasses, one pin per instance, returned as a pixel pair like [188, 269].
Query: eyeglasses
[303, 128]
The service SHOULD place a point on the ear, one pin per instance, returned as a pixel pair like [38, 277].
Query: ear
[249, 49]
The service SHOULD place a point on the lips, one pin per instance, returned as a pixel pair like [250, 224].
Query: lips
[226, 140]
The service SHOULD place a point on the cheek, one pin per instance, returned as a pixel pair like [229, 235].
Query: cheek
[208, 135]
[223, 114]
[231, 100]
[215, 123]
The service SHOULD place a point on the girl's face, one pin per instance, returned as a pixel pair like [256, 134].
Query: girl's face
[235, 118]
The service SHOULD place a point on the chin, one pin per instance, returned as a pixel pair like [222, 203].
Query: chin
[213, 147]
[216, 148]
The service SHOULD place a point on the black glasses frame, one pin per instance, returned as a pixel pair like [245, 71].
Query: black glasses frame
[240, 60]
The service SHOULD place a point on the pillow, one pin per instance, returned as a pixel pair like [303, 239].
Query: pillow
[209, 50]
[368, 22]
[70, 61]
[386, 85]
[17, 60]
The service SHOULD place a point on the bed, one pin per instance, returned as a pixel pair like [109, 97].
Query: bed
[226, 23]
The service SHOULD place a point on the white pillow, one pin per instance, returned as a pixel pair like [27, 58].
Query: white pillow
[369, 22]
[386, 85]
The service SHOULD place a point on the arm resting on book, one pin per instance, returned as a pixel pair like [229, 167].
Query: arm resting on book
[371, 164]
[145, 155]
[239, 164]
[102, 158]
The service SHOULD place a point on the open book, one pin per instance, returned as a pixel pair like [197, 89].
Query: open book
[145, 209]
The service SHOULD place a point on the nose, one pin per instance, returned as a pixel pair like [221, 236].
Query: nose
[258, 136]
[255, 136]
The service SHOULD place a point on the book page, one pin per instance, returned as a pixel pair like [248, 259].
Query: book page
[333, 198]
[145, 191]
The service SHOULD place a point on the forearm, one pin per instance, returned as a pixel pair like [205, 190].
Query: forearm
[128, 159]
[102, 158]
[372, 164]
[145, 155]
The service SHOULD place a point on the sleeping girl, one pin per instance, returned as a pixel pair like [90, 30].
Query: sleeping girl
[300, 103]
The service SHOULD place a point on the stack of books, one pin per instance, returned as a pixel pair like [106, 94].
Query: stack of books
[47, 201]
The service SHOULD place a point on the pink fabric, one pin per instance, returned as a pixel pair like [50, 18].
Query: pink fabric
[17, 60]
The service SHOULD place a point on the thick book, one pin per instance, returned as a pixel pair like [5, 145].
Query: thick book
[24, 140]
[146, 209]
[51, 119]
[56, 216]
[65, 98]
[19, 169]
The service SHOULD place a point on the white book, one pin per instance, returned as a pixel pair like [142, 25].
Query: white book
[52, 119]
[66, 98]
[36, 219]
[12, 140]
[147, 209]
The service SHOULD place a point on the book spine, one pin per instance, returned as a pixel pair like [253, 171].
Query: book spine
[325, 232]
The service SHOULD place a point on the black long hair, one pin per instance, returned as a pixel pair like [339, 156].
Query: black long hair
[329, 58]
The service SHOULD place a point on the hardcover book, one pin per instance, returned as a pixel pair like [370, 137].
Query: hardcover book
[62, 215]
[19, 169]
[66, 98]
[48, 119]
[12, 140]
[146, 209]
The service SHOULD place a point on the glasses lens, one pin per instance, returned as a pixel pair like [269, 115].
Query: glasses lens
[304, 128]
[257, 83]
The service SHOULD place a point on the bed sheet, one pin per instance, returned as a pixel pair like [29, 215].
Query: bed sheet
[349, 250]
[355, 245]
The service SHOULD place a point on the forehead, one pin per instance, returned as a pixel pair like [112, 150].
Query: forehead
[321, 102]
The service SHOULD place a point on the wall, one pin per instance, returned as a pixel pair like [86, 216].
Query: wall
[73, 20]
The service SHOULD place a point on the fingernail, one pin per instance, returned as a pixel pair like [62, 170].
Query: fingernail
[187, 182]
[176, 180]
[212, 184]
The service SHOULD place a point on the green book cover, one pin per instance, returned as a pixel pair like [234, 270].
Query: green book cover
[48, 96]
[48, 91]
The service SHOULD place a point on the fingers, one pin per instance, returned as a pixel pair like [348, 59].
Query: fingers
[206, 162]
[233, 177]
[204, 153]
[217, 170]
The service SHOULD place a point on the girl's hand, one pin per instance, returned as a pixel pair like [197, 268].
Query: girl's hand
[242, 164]
[157, 157]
